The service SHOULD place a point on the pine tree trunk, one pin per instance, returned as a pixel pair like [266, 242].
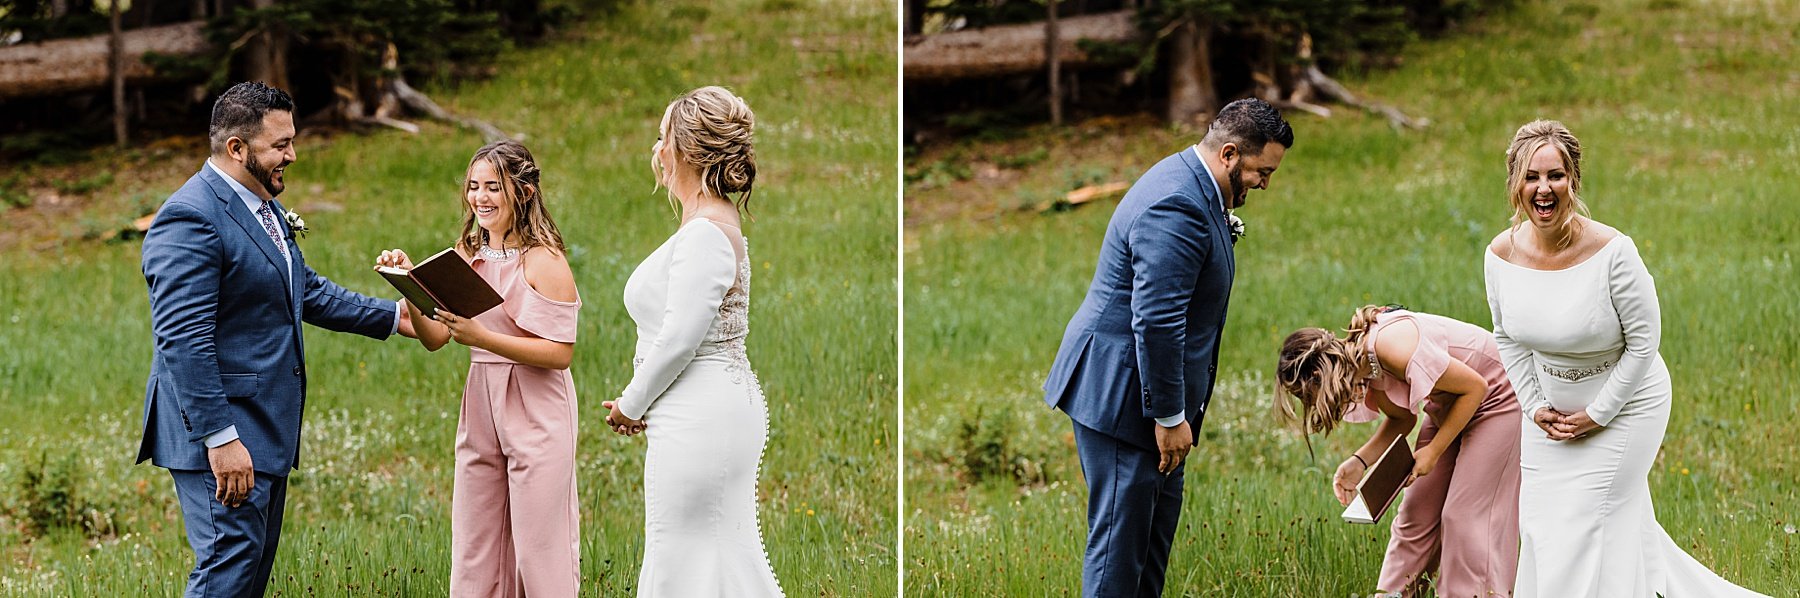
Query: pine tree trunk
[1050, 54]
[383, 98]
[265, 56]
[116, 66]
[1191, 92]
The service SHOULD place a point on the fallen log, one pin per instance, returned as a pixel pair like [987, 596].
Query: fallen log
[422, 104]
[1083, 195]
[1327, 87]
[393, 97]
[80, 64]
[1012, 49]
[1310, 84]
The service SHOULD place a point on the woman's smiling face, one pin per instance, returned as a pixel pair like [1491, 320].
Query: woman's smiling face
[486, 198]
[1545, 187]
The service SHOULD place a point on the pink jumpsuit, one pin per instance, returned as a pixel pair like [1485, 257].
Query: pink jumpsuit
[514, 526]
[1462, 519]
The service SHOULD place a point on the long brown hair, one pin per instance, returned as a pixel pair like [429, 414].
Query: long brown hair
[1319, 369]
[519, 184]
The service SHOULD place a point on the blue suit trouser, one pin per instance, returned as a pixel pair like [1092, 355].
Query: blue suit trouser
[234, 548]
[1133, 511]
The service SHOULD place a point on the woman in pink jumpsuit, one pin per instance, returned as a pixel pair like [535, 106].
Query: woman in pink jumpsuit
[1460, 516]
[514, 526]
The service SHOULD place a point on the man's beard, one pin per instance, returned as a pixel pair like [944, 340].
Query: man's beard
[1235, 180]
[266, 176]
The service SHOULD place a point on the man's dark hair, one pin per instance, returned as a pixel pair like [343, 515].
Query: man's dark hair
[239, 112]
[1250, 123]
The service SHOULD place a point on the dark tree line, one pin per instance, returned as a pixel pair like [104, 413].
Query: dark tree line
[973, 63]
[346, 62]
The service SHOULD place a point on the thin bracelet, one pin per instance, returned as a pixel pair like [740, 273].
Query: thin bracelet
[1359, 459]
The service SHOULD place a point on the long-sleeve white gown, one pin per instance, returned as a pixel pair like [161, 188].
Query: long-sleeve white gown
[704, 416]
[1586, 337]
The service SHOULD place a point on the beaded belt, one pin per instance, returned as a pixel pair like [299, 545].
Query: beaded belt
[1579, 374]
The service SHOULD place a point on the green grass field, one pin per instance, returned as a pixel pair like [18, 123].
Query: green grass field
[369, 512]
[1688, 113]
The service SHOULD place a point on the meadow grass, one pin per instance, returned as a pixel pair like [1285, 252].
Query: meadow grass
[1687, 113]
[368, 512]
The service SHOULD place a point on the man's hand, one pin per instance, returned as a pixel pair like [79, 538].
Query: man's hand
[406, 320]
[232, 471]
[1173, 444]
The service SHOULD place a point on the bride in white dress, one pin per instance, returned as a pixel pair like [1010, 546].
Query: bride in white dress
[693, 393]
[1577, 324]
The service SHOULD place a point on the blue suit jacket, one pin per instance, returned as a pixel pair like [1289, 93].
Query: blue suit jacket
[1145, 343]
[226, 317]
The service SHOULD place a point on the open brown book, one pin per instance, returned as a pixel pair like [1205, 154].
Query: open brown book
[443, 281]
[1381, 484]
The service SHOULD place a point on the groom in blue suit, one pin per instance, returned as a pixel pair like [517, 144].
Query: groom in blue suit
[1138, 360]
[228, 292]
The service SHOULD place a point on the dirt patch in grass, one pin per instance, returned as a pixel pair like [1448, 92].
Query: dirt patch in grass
[984, 176]
[97, 199]
[50, 205]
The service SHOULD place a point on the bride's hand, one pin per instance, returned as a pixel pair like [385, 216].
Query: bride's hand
[1550, 420]
[1576, 425]
[616, 419]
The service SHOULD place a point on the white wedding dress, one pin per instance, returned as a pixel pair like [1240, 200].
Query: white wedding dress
[1586, 337]
[704, 416]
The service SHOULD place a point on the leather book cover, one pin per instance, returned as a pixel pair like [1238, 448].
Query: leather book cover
[454, 285]
[1381, 484]
[415, 295]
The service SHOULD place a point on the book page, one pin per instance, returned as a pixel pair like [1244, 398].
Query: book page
[1358, 511]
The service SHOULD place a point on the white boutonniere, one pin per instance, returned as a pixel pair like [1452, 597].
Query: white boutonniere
[1236, 224]
[298, 224]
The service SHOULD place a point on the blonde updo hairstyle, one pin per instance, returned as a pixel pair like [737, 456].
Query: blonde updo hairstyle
[520, 185]
[1319, 369]
[1530, 138]
[713, 130]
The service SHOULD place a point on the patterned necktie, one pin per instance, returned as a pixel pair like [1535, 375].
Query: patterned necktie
[268, 221]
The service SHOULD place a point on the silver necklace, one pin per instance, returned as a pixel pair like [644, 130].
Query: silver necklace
[499, 254]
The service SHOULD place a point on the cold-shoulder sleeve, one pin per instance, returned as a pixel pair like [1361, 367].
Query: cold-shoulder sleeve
[1640, 319]
[702, 267]
[1429, 360]
[1520, 365]
[547, 318]
[1360, 411]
